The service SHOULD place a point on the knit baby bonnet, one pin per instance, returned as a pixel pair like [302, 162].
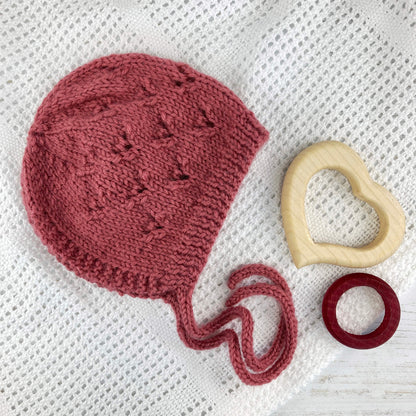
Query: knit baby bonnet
[131, 165]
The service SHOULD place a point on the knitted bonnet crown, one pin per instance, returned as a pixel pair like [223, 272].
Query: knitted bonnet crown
[130, 167]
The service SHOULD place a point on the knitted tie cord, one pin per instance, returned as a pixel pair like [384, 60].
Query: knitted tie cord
[131, 165]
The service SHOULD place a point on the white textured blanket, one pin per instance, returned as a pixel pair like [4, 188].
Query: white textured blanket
[311, 70]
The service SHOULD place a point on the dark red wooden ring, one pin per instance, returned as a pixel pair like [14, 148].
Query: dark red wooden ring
[391, 314]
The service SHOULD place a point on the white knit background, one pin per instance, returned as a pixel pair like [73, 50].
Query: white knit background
[310, 70]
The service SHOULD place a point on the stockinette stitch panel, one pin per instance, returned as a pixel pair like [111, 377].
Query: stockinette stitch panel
[131, 165]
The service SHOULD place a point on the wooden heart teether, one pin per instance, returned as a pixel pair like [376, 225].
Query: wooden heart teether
[338, 156]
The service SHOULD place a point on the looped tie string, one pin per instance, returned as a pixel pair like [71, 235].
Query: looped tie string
[251, 369]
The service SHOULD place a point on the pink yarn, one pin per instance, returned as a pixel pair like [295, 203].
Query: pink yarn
[131, 165]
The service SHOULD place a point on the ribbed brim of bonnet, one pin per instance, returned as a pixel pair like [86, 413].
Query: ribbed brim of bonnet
[131, 165]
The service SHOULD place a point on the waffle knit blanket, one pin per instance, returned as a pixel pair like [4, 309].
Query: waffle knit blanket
[309, 71]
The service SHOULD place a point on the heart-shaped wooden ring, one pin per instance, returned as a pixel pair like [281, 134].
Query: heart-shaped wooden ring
[340, 157]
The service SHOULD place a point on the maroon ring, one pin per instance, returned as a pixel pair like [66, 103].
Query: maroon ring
[391, 314]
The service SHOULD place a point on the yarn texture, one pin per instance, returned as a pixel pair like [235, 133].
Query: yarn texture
[131, 165]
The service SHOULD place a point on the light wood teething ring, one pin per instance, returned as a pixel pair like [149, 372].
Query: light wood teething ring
[340, 157]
